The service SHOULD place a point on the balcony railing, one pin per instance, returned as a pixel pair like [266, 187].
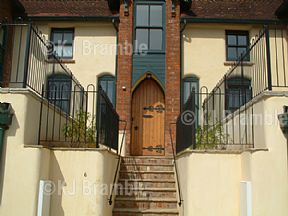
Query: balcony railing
[32, 59]
[76, 121]
[225, 117]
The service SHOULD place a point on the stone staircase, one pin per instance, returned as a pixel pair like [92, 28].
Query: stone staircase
[146, 186]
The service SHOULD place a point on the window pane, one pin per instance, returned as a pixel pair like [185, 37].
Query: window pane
[232, 54]
[141, 39]
[67, 51]
[156, 15]
[57, 38]
[110, 90]
[68, 38]
[232, 40]
[241, 51]
[58, 50]
[155, 39]
[187, 91]
[242, 40]
[142, 12]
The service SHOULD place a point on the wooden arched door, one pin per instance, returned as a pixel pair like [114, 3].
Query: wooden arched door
[148, 113]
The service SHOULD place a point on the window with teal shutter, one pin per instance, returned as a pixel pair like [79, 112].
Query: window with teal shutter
[107, 84]
[59, 91]
[188, 85]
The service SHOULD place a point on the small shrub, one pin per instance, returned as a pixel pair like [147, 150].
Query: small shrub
[82, 129]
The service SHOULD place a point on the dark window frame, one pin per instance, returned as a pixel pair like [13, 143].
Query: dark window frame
[63, 31]
[59, 79]
[107, 78]
[149, 27]
[191, 79]
[241, 85]
[237, 33]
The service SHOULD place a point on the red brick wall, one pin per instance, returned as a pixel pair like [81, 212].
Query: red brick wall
[172, 95]
[124, 74]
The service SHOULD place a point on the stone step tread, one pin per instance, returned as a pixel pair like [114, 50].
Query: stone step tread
[148, 180]
[150, 171]
[146, 211]
[150, 189]
[146, 199]
[146, 164]
[149, 157]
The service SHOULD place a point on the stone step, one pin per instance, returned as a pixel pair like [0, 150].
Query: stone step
[146, 212]
[146, 167]
[148, 160]
[146, 174]
[145, 203]
[147, 192]
[147, 183]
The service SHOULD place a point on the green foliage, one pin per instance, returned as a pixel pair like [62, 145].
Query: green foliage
[82, 129]
[211, 137]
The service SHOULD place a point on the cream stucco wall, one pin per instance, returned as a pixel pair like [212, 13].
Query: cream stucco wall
[94, 48]
[24, 164]
[210, 180]
[204, 52]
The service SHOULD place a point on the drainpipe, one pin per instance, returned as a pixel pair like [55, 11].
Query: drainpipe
[116, 27]
[181, 59]
[5, 121]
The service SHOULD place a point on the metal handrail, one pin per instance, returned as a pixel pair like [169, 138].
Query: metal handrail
[175, 165]
[119, 162]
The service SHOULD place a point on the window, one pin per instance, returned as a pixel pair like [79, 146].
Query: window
[62, 40]
[59, 91]
[188, 85]
[149, 30]
[238, 93]
[107, 83]
[237, 43]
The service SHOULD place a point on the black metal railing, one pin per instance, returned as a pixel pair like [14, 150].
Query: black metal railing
[107, 121]
[266, 69]
[175, 162]
[211, 126]
[78, 118]
[119, 162]
[32, 58]
[185, 125]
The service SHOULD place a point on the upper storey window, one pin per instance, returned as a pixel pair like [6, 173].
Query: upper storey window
[237, 43]
[63, 42]
[149, 27]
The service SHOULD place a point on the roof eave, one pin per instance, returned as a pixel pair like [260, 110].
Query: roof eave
[73, 18]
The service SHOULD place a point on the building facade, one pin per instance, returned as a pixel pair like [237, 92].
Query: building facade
[197, 83]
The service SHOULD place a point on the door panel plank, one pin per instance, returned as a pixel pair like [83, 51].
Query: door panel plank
[148, 124]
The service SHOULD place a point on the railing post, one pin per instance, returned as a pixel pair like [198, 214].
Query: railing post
[268, 56]
[27, 55]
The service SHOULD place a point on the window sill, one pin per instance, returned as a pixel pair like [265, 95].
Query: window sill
[64, 61]
[232, 63]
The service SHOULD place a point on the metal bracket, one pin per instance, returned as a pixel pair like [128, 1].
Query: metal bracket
[158, 148]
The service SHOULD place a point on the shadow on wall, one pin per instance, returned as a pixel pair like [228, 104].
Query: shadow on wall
[59, 182]
[11, 132]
